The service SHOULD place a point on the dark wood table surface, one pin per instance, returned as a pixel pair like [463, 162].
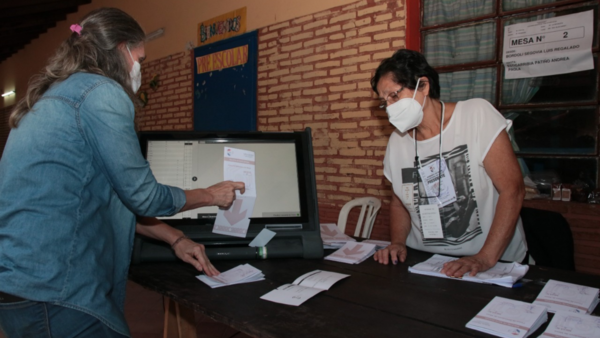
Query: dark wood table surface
[375, 301]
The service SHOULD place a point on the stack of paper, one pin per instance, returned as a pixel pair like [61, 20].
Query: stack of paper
[332, 237]
[572, 325]
[353, 253]
[304, 287]
[503, 274]
[509, 318]
[380, 244]
[244, 273]
[561, 296]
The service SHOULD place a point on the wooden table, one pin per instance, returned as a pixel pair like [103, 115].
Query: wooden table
[375, 301]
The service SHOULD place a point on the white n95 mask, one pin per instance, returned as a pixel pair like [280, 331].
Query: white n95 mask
[407, 113]
[135, 74]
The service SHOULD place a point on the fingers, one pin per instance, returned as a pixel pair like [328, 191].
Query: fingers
[194, 254]
[460, 267]
[223, 194]
[381, 256]
[452, 269]
[402, 255]
[396, 253]
[201, 263]
[240, 186]
[474, 271]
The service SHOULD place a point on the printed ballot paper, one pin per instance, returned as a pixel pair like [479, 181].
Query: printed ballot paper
[503, 274]
[244, 273]
[238, 165]
[333, 237]
[557, 45]
[353, 252]
[304, 287]
[572, 325]
[561, 296]
[509, 318]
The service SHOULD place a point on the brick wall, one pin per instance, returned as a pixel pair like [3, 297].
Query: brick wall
[170, 105]
[314, 71]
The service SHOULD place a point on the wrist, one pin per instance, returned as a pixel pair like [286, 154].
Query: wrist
[179, 239]
[197, 198]
[490, 260]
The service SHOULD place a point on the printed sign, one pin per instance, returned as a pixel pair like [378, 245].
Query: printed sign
[222, 27]
[548, 47]
[224, 59]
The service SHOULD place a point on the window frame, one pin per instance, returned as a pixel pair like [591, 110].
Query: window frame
[415, 40]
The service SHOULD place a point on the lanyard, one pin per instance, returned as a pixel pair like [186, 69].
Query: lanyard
[417, 160]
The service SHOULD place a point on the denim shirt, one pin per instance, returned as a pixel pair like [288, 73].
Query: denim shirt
[72, 179]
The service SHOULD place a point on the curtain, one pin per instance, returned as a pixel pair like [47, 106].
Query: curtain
[461, 45]
[445, 11]
[509, 5]
[464, 85]
[519, 90]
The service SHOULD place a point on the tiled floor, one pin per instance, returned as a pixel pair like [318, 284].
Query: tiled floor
[145, 316]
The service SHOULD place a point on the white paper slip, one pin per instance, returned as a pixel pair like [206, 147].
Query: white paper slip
[333, 237]
[263, 238]
[431, 223]
[353, 252]
[561, 296]
[503, 274]
[504, 317]
[572, 325]
[379, 244]
[244, 273]
[549, 46]
[291, 294]
[319, 279]
[238, 165]
[304, 287]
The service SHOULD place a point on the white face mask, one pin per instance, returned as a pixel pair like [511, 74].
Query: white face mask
[407, 113]
[135, 74]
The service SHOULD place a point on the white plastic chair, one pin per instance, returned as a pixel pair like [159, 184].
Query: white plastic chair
[370, 207]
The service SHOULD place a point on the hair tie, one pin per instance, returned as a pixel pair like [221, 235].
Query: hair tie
[75, 28]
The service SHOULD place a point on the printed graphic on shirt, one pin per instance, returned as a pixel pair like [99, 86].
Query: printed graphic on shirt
[460, 220]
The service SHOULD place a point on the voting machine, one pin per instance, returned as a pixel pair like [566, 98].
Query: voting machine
[286, 197]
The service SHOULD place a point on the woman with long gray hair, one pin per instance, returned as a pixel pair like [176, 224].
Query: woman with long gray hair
[73, 180]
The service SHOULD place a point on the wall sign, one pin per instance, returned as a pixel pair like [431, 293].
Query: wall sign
[224, 59]
[222, 27]
[548, 47]
[225, 75]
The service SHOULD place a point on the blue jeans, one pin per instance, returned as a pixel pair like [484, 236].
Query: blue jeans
[44, 320]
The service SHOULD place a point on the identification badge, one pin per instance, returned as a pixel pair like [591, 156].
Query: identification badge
[430, 221]
[433, 184]
[408, 196]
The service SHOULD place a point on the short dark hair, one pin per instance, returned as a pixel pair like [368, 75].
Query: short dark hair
[407, 66]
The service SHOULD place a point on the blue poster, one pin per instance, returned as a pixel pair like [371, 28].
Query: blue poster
[225, 79]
